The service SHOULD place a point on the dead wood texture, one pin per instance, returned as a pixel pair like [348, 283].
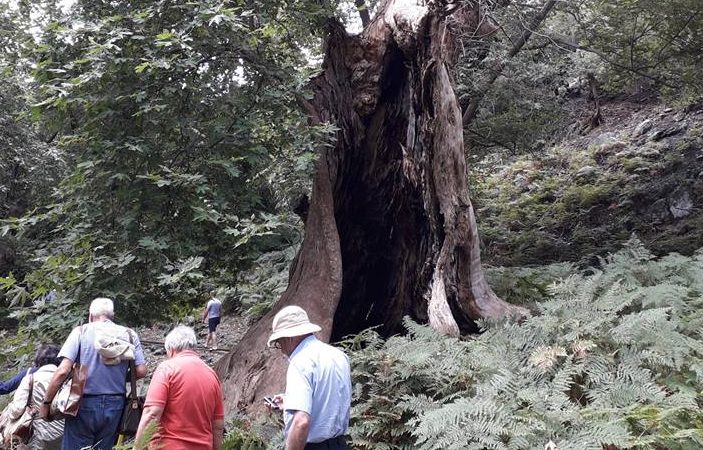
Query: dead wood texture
[390, 231]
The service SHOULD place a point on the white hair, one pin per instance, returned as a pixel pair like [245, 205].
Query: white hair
[180, 338]
[102, 307]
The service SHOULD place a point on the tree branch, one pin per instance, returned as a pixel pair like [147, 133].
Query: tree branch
[635, 70]
[363, 12]
[472, 109]
[671, 41]
[490, 140]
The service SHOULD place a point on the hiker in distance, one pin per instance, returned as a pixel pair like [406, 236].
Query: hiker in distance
[212, 314]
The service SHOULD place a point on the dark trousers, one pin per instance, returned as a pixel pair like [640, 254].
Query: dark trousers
[335, 443]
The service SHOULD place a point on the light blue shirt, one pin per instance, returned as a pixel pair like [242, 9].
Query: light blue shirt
[102, 379]
[318, 382]
[214, 308]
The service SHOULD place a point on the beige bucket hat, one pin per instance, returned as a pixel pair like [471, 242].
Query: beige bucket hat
[291, 321]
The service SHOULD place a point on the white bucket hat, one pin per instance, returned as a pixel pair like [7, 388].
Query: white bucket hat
[289, 322]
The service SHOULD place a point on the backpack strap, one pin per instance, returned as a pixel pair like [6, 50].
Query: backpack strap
[132, 371]
[81, 330]
[31, 391]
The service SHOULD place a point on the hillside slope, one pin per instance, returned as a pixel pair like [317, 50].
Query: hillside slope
[641, 172]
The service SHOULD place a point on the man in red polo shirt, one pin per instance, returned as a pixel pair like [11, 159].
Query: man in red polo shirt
[184, 399]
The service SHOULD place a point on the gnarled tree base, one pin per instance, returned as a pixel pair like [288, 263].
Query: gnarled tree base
[391, 231]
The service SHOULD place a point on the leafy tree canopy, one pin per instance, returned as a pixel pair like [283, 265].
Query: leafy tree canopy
[182, 130]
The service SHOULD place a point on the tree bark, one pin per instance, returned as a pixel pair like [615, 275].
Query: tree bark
[390, 231]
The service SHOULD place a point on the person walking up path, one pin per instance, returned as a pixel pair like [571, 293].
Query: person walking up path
[98, 419]
[184, 399]
[212, 314]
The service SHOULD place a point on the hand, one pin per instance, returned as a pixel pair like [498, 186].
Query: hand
[274, 403]
[44, 412]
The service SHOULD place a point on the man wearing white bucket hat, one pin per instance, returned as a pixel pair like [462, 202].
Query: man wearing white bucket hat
[318, 384]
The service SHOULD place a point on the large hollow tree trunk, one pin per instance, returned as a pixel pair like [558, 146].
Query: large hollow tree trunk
[391, 231]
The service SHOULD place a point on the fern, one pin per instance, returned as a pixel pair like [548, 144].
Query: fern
[613, 356]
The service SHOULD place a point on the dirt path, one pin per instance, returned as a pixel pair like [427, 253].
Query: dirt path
[229, 332]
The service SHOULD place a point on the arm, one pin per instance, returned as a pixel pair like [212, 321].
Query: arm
[60, 375]
[140, 371]
[154, 405]
[139, 360]
[218, 429]
[151, 414]
[218, 418]
[19, 401]
[207, 308]
[13, 383]
[299, 429]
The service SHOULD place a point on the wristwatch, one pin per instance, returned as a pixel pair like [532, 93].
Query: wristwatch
[46, 402]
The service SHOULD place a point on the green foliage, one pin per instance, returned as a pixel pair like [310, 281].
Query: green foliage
[525, 109]
[612, 356]
[380, 381]
[633, 47]
[259, 287]
[585, 198]
[525, 285]
[643, 43]
[240, 435]
[240, 440]
[178, 122]
[28, 167]
[148, 433]
[263, 433]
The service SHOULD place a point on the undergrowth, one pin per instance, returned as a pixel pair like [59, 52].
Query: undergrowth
[585, 197]
[611, 357]
[259, 287]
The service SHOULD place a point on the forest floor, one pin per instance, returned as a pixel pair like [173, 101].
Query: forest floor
[640, 172]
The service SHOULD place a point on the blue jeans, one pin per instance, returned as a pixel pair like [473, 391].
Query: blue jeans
[96, 424]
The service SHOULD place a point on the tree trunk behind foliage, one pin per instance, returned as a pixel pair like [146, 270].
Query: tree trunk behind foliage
[391, 231]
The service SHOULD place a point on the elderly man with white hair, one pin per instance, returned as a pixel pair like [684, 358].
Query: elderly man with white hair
[96, 424]
[184, 399]
[318, 384]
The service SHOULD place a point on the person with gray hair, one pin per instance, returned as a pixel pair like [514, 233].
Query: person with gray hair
[102, 307]
[181, 338]
[183, 383]
[97, 422]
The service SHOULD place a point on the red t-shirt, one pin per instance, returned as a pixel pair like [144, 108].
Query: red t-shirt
[190, 393]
